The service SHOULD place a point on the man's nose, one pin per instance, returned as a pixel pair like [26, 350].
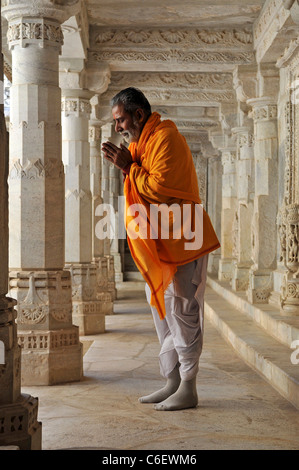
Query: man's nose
[118, 127]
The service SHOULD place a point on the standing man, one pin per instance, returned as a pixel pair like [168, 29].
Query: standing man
[160, 178]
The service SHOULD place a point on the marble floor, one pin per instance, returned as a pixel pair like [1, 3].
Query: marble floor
[237, 408]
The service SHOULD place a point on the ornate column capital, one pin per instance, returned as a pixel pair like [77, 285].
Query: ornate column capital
[76, 103]
[245, 137]
[39, 31]
[228, 157]
[263, 109]
[59, 10]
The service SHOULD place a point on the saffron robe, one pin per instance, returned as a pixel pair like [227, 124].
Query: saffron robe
[163, 172]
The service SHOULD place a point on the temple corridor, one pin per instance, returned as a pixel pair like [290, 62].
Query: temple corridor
[237, 408]
[77, 342]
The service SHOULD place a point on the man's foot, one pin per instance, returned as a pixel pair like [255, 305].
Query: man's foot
[184, 397]
[172, 384]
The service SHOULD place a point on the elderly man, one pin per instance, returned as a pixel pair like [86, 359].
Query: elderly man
[159, 173]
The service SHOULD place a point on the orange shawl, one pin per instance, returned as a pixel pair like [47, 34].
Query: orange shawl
[162, 173]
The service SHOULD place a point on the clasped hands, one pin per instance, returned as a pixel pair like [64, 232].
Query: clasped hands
[120, 157]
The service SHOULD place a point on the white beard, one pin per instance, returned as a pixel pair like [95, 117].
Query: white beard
[131, 135]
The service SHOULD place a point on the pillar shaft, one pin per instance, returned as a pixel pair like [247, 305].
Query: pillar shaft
[107, 132]
[98, 257]
[88, 312]
[51, 351]
[214, 206]
[243, 217]
[229, 206]
[264, 238]
[18, 413]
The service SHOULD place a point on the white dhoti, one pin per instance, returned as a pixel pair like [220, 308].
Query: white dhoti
[180, 333]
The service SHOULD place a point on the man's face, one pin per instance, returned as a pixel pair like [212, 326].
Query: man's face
[126, 125]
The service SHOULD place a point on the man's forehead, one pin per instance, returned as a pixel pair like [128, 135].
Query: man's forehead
[118, 111]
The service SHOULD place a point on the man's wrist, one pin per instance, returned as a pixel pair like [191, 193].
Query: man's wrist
[126, 169]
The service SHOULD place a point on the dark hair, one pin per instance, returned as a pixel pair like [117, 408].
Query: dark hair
[132, 99]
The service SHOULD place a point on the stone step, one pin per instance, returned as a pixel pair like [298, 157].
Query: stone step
[132, 276]
[284, 328]
[260, 350]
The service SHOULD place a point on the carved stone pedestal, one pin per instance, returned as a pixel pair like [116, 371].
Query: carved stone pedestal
[103, 293]
[51, 351]
[290, 295]
[260, 285]
[240, 276]
[111, 276]
[88, 312]
[18, 413]
[18, 424]
[225, 269]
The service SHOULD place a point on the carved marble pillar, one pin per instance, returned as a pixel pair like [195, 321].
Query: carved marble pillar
[214, 206]
[95, 184]
[286, 278]
[264, 237]
[18, 412]
[229, 208]
[201, 168]
[114, 193]
[88, 311]
[107, 132]
[51, 351]
[243, 216]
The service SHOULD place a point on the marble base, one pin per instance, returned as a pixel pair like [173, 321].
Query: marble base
[10, 365]
[240, 277]
[290, 296]
[213, 263]
[90, 316]
[225, 269]
[19, 426]
[88, 312]
[111, 276]
[260, 286]
[51, 357]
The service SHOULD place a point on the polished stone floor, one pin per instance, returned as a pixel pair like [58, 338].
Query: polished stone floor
[237, 408]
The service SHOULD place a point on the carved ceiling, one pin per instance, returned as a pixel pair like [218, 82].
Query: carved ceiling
[182, 54]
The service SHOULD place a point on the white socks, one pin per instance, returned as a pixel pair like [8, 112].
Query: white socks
[176, 395]
[172, 384]
[184, 397]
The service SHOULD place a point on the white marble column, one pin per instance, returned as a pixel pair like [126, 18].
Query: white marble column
[88, 311]
[114, 193]
[95, 185]
[264, 235]
[214, 206]
[18, 413]
[285, 294]
[51, 351]
[228, 212]
[201, 168]
[243, 217]
[107, 133]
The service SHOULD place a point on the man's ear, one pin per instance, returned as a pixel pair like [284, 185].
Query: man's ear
[140, 115]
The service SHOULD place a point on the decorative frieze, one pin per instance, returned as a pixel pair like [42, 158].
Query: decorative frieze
[174, 56]
[210, 81]
[178, 37]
